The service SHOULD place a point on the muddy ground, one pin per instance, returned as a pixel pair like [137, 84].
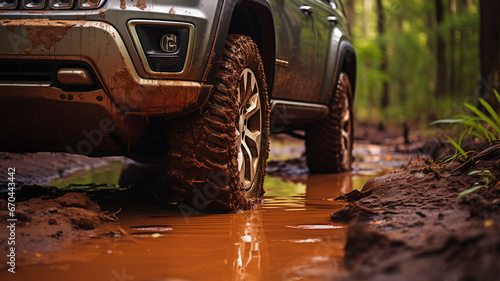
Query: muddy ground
[46, 224]
[411, 225]
[406, 225]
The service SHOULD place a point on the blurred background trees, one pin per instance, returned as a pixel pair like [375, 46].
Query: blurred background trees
[420, 60]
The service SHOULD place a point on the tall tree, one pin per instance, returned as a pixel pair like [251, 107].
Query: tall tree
[440, 51]
[367, 10]
[350, 13]
[452, 78]
[489, 43]
[381, 31]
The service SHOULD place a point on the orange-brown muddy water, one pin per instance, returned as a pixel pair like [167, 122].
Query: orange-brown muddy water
[287, 237]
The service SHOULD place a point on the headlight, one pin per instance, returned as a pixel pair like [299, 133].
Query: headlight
[8, 4]
[89, 4]
[61, 4]
[53, 4]
[34, 4]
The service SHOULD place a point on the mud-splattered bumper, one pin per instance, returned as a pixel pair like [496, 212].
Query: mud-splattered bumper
[101, 46]
[35, 110]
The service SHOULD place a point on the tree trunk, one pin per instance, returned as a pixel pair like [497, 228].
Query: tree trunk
[440, 52]
[350, 14]
[489, 44]
[381, 30]
[452, 78]
[367, 10]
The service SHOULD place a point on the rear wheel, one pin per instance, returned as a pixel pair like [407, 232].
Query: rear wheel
[218, 155]
[329, 142]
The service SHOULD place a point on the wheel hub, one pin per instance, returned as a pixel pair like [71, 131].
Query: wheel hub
[345, 133]
[248, 128]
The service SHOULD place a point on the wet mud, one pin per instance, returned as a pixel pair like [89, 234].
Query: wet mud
[53, 31]
[44, 225]
[287, 236]
[141, 4]
[411, 225]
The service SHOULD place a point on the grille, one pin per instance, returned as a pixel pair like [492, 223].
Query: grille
[42, 71]
[20, 71]
[50, 4]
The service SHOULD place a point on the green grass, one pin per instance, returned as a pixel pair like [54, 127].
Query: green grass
[477, 124]
[486, 180]
[96, 178]
[276, 186]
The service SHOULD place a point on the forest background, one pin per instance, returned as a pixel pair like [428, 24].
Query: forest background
[420, 60]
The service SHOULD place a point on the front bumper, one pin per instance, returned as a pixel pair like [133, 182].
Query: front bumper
[100, 46]
[44, 117]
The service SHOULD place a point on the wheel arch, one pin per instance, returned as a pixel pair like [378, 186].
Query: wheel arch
[251, 18]
[347, 63]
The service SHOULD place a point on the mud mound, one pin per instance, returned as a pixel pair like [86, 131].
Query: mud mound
[410, 225]
[44, 224]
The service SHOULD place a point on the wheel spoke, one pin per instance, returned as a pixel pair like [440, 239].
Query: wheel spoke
[346, 114]
[251, 166]
[255, 137]
[249, 128]
[344, 140]
[243, 89]
[242, 166]
[249, 84]
[253, 105]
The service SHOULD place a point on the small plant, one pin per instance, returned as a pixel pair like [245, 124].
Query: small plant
[481, 125]
[486, 180]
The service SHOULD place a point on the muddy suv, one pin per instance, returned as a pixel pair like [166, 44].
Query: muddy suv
[195, 84]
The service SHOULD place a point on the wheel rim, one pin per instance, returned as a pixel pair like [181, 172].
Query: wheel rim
[345, 133]
[248, 128]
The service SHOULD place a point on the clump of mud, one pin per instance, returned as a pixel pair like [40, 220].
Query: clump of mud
[45, 224]
[411, 225]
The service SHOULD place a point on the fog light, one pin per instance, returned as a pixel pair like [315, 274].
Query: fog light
[163, 46]
[34, 4]
[61, 4]
[75, 76]
[169, 43]
[8, 4]
[89, 4]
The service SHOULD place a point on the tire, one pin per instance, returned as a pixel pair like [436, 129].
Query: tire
[217, 156]
[329, 141]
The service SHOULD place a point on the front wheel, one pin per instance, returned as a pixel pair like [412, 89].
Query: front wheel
[218, 155]
[329, 142]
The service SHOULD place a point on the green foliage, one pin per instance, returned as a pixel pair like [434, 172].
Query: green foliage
[460, 153]
[410, 44]
[481, 125]
[486, 180]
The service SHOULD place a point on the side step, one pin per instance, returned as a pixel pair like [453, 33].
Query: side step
[286, 114]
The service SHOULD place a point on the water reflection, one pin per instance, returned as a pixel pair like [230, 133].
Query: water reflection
[321, 188]
[251, 245]
[288, 237]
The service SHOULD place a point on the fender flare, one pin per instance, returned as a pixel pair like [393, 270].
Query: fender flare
[222, 30]
[345, 54]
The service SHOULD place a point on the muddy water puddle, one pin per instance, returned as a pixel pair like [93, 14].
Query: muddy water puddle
[287, 237]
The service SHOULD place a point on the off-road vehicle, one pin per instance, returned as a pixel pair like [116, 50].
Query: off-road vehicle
[196, 84]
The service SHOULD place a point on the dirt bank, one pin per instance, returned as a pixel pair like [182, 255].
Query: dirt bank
[45, 225]
[411, 225]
